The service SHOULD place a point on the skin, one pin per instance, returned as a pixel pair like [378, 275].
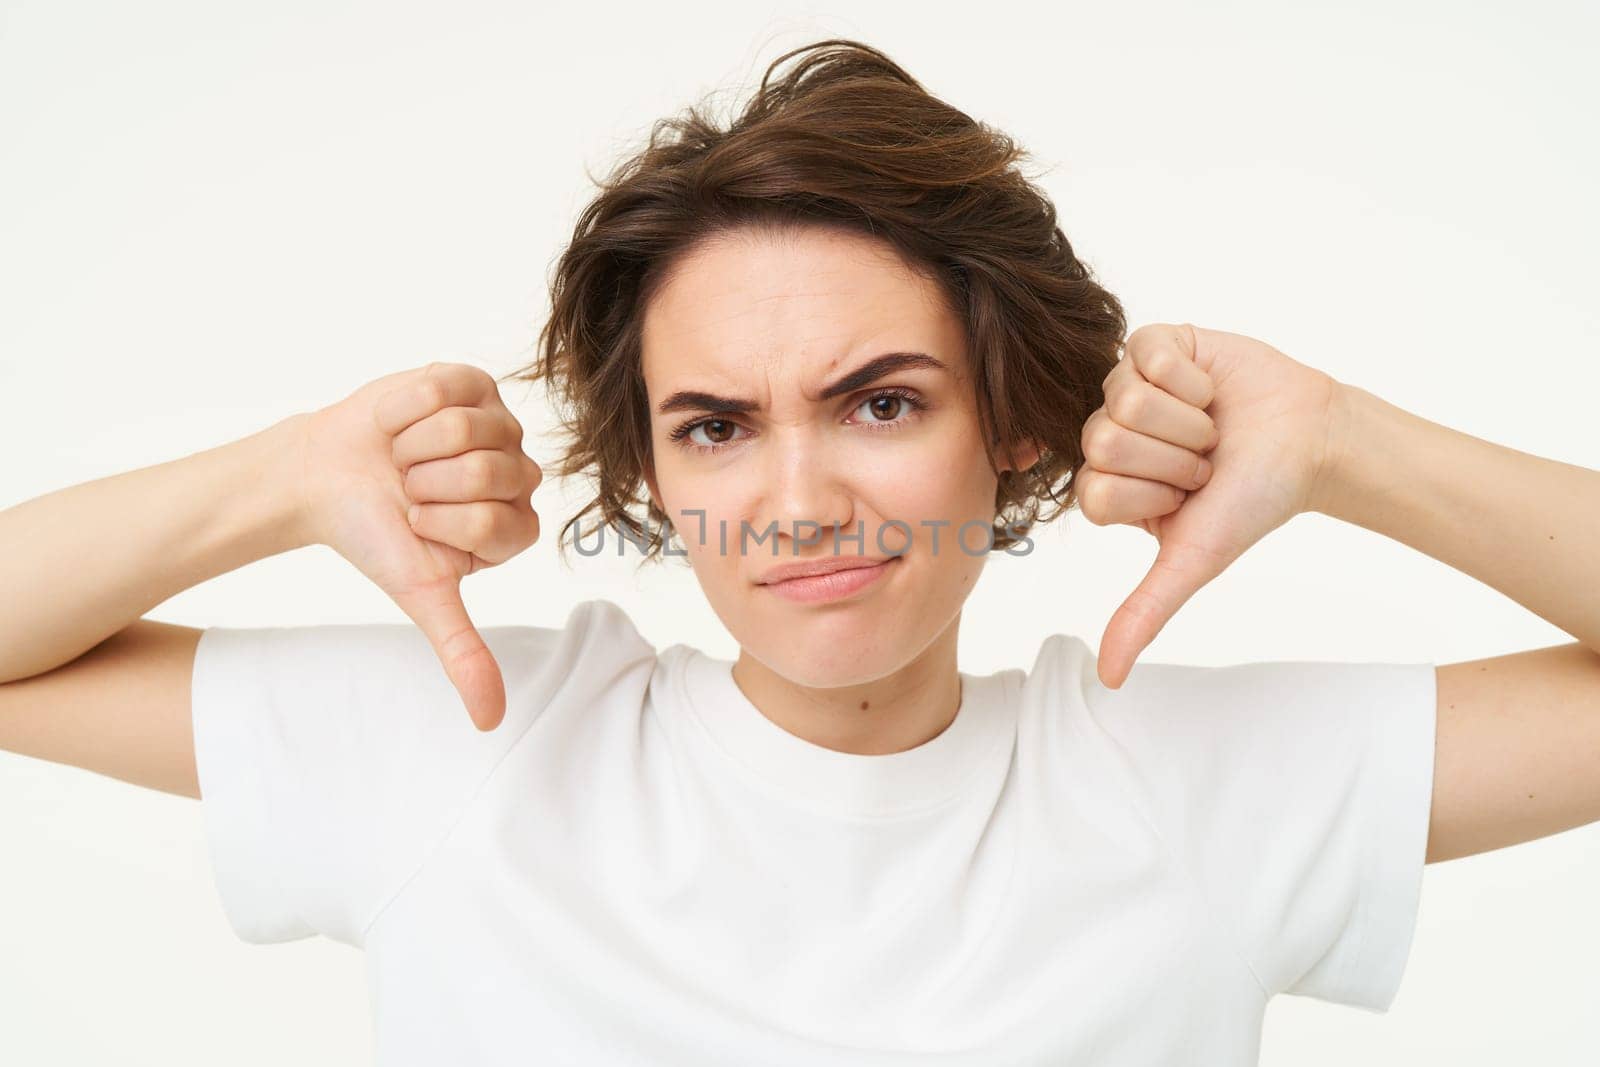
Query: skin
[773, 319]
[86, 681]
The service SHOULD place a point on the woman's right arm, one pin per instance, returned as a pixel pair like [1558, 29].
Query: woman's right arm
[85, 680]
[82, 563]
[89, 682]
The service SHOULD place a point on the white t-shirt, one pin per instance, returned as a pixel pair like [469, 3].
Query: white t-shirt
[638, 867]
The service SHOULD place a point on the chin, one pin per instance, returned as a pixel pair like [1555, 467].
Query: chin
[829, 649]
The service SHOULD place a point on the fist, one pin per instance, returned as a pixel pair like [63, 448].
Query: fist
[419, 479]
[1207, 441]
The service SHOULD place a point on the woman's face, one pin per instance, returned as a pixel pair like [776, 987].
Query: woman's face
[740, 349]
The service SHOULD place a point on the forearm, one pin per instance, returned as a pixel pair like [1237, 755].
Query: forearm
[1522, 524]
[83, 562]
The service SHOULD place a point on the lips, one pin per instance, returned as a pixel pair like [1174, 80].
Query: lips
[834, 583]
[815, 567]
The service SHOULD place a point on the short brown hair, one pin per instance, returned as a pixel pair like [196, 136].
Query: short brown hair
[844, 137]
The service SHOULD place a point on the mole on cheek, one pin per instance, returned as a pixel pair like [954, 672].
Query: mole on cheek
[863, 705]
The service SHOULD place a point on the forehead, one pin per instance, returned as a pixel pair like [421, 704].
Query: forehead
[799, 301]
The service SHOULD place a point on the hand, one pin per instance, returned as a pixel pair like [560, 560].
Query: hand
[1207, 441]
[437, 439]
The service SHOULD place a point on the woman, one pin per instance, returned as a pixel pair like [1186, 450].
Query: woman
[840, 351]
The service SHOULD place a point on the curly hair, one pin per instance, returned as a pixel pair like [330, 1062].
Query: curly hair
[843, 138]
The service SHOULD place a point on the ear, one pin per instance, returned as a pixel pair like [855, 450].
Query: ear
[655, 498]
[1024, 455]
[655, 493]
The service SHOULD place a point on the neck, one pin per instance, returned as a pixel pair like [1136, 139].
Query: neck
[899, 711]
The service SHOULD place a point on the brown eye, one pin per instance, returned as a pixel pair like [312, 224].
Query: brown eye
[890, 409]
[717, 432]
[894, 403]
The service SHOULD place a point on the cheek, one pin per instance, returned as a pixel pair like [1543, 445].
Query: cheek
[700, 503]
[949, 479]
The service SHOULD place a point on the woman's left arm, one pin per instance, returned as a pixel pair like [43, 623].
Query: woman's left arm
[1518, 746]
[1208, 440]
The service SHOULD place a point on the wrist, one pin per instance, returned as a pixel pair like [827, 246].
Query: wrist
[1355, 438]
[280, 455]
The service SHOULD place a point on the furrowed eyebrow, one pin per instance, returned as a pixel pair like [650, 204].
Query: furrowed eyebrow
[864, 375]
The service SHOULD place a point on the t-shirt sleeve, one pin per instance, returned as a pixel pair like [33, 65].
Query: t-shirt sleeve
[1299, 795]
[333, 758]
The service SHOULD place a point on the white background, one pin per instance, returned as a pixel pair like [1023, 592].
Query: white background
[212, 215]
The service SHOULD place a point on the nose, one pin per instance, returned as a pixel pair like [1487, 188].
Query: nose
[806, 495]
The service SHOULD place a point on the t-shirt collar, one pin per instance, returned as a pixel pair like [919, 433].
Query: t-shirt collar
[847, 783]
